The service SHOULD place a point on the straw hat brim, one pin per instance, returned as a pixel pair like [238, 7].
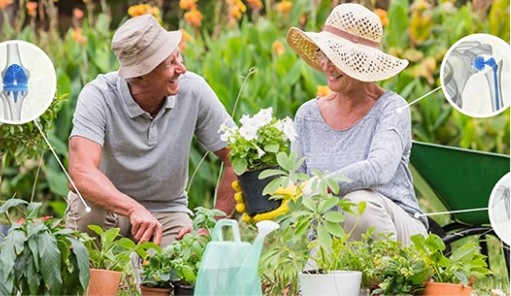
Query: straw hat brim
[358, 61]
[151, 60]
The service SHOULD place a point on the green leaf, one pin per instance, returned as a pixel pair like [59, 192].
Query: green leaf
[239, 166]
[82, 259]
[334, 217]
[13, 202]
[50, 262]
[334, 229]
[272, 186]
[309, 204]
[273, 148]
[33, 210]
[324, 239]
[361, 207]
[269, 173]
[12, 246]
[328, 204]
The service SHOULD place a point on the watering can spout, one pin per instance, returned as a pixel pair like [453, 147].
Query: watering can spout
[248, 271]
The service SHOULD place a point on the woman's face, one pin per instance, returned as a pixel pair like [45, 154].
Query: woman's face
[337, 80]
[164, 78]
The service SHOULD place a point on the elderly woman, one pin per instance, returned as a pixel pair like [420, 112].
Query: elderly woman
[360, 130]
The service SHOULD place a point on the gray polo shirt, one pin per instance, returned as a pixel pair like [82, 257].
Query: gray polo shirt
[373, 154]
[146, 158]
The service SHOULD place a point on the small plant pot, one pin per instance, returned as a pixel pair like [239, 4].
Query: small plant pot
[103, 282]
[252, 188]
[335, 283]
[440, 289]
[182, 289]
[149, 291]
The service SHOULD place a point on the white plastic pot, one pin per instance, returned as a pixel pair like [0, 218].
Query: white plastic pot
[335, 283]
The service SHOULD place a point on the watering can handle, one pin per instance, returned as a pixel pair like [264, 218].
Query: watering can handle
[217, 231]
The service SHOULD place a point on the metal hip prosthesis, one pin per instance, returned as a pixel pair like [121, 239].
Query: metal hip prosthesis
[15, 84]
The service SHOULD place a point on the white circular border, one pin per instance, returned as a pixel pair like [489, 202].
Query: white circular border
[506, 240]
[478, 37]
[44, 70]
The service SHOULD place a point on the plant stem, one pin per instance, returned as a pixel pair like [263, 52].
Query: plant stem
[36, 177]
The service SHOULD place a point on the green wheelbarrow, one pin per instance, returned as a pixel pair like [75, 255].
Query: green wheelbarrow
[461, 179]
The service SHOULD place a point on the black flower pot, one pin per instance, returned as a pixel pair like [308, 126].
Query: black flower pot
[252, 188]
[182, 289]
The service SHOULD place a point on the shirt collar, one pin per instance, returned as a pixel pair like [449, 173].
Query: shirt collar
[134, 109]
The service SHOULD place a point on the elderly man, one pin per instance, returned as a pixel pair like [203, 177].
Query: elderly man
[129, 147]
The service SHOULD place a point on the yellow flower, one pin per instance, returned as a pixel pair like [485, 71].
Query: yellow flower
[31, 8]
[382, 14]
[5, 3]
[77, 13]
[187, 4]
[278, 47]
[284, 6]
[323, 90]
[194, 17]
[255, 4]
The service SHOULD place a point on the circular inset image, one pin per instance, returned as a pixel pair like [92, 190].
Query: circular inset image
[28, 82]
[498, 209]
[475, 74]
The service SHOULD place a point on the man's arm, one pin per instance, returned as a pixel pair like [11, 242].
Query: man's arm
[225, 196]
[84, 161]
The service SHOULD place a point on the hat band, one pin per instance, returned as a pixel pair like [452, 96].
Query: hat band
[351, 37]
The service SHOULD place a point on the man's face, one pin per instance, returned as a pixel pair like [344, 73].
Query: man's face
[165, 76]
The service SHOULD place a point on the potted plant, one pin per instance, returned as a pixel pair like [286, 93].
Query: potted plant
[451, 275]
[157, 271]
[177, 265]
[39, 256]
[254, 147]
[311, 224]
[109, 258]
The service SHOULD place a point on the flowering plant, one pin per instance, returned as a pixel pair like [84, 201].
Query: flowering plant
[257, 142]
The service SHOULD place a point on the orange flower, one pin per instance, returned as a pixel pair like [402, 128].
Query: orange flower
[235, 12]
[78, 36]
[278, 47]
[382, 14]
[31, 8]
[187, 4]
[303, 19]
[194, 17]
[284, 6]
[323, 90]
[255, 4]
[140, 9]
[5, 3]
[185, 39]
[77, 13]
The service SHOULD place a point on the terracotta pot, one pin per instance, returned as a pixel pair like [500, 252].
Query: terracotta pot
[148, 291]
[442, 289]
[103, 282]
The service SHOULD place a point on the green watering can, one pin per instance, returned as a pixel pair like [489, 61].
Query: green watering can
[230, 267]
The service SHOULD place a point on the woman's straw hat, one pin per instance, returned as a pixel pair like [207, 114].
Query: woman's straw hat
[350, 40]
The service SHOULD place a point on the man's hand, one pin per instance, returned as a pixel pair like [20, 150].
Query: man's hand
[145, 226]
[286, 193]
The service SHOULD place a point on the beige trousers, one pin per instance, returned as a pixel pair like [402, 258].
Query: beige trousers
[385, 215]
[78, 219]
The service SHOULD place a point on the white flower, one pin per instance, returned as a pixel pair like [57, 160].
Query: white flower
[288, 129]
[263, 117]
[248, 132]
[228, 133]
[260, 151]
